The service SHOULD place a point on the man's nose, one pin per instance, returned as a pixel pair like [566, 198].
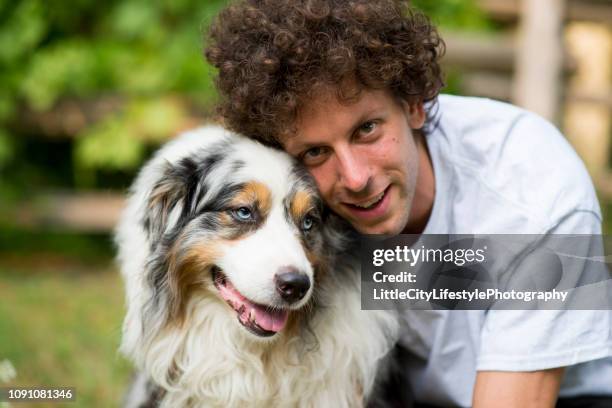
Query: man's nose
[353, 172]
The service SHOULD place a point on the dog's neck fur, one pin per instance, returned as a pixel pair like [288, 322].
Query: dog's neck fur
[214, 362]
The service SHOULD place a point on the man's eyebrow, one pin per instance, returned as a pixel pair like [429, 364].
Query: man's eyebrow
[364, 116]
[367, 114]
[303, 147]
[295, 149]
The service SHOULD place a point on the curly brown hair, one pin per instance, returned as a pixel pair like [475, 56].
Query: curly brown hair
[273, 55]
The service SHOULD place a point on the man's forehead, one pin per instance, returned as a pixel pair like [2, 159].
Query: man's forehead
[331, 101]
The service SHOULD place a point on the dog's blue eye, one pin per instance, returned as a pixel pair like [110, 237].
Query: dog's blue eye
[244, 213]
[307, 223]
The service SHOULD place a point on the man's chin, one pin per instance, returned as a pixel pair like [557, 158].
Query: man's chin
[381, 228]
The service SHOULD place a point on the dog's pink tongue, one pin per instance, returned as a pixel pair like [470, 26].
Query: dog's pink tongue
[271, 320]
[266, 318]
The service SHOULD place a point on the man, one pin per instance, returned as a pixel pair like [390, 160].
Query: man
[350, 88]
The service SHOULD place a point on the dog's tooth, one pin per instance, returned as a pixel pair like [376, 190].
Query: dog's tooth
[252, 315]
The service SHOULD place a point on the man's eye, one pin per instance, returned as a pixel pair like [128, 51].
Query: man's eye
[313, 152]
[367, 127]
[314, 156]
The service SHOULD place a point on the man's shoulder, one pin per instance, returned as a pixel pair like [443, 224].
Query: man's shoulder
[481, 124]
[469, 108]
[516, 158]
[477, 130]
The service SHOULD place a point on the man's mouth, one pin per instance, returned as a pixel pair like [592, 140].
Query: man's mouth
[261, 320]
[371, 202]
[372, 207]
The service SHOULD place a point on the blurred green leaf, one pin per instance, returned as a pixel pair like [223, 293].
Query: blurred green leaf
[6, 105]
[6, 147]
[459, 14]
[134, 19]
[21, 30]
[109, 144]
[148, 55]
[63, 70]
[155, 119]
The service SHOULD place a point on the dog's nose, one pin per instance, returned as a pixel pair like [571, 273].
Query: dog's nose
[291, 284]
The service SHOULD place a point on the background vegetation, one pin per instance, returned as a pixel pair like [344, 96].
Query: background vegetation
[87, 89]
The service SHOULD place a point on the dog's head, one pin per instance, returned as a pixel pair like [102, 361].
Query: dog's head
[229, 219]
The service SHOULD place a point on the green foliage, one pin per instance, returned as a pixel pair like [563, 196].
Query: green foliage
[21, 31]
[62, 69]
[91, 249]
[6, 147]
[454, 14]
[139, 51]
[108, 144]
[118, 142]
[146, 54]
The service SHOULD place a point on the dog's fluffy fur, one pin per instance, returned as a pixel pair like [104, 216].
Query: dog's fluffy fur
[215, 205]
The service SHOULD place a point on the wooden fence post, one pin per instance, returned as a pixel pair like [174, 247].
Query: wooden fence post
[587, 123]
[539, 60]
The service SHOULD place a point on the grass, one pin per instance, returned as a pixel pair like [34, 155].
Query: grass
[60, 324]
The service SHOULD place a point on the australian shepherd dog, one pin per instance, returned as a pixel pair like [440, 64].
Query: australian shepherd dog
[240, 287]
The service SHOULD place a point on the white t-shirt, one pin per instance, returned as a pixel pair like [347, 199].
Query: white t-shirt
[501, 170]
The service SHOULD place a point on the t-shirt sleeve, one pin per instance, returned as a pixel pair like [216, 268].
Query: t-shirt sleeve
[530, 340]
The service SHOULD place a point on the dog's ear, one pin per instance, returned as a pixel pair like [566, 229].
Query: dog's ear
[168, 200]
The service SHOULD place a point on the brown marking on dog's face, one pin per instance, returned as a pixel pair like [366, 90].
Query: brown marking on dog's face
[313, 258]
[301, 203]
[255, 195]
[188, 275]
[226, 220]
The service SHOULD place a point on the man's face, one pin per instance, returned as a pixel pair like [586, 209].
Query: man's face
[363, 157]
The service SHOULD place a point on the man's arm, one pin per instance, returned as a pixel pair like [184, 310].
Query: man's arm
[517, 389]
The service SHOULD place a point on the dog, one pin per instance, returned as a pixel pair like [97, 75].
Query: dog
[241, 287]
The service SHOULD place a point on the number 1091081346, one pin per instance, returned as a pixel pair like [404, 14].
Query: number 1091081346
[36, 394]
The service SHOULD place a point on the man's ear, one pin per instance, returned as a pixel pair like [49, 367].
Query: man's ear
[415, 113]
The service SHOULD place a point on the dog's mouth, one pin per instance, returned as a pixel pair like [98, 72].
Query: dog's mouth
[261, 320]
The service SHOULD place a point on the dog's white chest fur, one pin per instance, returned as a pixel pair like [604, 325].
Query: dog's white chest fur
[337, 370]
